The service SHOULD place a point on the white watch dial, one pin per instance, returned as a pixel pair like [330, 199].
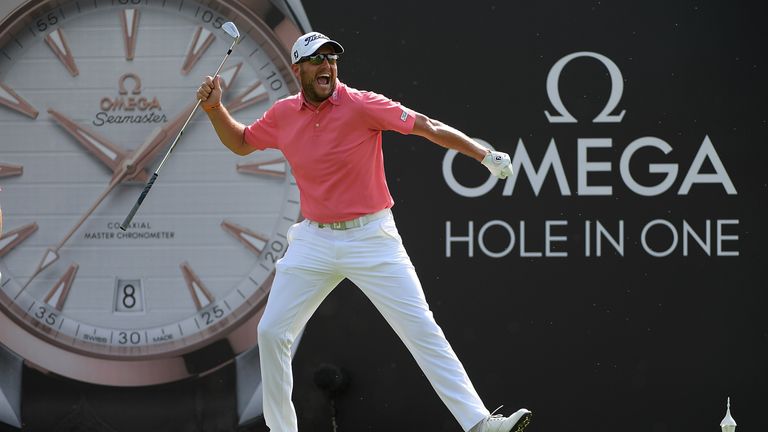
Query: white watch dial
[83, 84]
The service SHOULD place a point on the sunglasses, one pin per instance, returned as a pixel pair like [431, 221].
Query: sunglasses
[318, 59]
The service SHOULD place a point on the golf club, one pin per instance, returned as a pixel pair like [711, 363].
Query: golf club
[230, 29]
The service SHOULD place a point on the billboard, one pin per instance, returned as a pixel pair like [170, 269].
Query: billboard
[614, 282]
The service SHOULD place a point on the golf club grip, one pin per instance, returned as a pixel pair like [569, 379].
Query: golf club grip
[136, 206]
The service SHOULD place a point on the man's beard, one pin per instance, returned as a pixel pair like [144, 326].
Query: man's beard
[308, 87]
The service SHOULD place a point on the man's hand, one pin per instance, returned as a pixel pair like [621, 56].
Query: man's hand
[209, 92]
[498, 163]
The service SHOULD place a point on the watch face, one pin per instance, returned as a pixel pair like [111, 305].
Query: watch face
[88, 85]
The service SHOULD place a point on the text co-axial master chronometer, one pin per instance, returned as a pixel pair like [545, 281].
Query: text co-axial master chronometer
[153, 328]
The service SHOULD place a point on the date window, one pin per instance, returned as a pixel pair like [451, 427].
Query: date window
[129, 296]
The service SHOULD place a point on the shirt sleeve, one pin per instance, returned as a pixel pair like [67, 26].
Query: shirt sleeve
[382, 113]
[263, 133]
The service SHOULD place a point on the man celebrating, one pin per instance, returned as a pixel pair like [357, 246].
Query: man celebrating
[330, 134]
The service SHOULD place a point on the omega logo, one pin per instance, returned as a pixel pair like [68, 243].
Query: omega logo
[617, 88]
[119, 110]
[552, 165]
[136, 83]
[129, 103]
[659, 171]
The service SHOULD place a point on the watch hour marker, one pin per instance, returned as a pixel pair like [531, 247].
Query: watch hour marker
[11, 239]
[272, 168]
[201, 40]
[200, 294]
[250, 239]
[58, 44]
[9, 98]
[58, 294]
[10, 170]
[129, 21]
[253, 94]
[229, 74]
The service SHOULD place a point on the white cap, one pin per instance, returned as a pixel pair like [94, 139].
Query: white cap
[307, 44]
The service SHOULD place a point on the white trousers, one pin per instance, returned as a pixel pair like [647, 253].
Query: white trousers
[374, 259]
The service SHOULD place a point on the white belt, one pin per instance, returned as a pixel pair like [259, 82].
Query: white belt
[353, 223]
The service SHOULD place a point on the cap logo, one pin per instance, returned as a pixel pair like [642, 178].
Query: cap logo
[309, 39]
[296, 55]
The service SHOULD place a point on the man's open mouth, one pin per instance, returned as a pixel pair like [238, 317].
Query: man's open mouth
[323, 79]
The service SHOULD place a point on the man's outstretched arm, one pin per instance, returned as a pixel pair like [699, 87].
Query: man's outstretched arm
[498, 163]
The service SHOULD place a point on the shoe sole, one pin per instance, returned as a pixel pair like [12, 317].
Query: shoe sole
[523, 422]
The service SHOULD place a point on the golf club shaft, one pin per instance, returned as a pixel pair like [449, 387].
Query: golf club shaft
[151, 181]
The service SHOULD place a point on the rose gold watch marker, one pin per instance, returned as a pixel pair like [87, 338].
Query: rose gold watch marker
[253, 94]
[10, 170]
[253, 241]
[200, 294]
[58, 294]
[272, 168]
[201, 40]
[228, 75]
[58, 44]
[9, 98]
[11, 239]
[129, 21]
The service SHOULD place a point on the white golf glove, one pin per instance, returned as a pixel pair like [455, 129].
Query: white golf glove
[498, 163]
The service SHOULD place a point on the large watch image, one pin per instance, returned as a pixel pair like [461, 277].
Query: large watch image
[85, 85]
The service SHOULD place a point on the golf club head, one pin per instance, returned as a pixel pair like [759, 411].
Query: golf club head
[230, 28]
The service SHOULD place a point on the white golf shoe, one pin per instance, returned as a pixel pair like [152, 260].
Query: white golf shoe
[498, 423]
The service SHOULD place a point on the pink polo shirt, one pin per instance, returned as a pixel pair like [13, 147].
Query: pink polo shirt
[334, 150]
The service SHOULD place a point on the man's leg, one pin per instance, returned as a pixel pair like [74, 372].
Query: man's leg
[304, 278]
[383, 271]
